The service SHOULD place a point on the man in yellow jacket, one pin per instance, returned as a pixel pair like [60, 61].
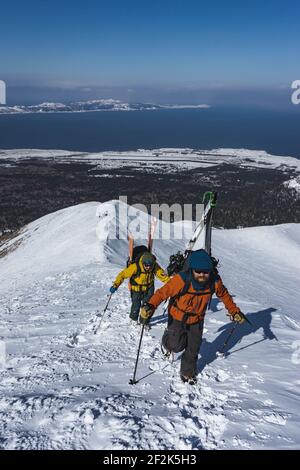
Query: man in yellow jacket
[141, 275]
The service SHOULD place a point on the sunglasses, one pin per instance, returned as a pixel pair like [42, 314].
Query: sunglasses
[200, 271]
[147, 265]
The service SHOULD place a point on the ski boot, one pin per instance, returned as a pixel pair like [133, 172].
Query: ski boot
[190, 379]
[165, 352]
[133, 321]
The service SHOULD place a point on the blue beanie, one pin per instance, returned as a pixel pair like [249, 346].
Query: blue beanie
[148, 258]
[200, 260]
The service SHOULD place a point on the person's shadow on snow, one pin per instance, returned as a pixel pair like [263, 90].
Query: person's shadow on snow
[259, 320]
[213, 306]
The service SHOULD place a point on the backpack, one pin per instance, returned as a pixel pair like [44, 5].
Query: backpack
[137, 252]
[185, 290]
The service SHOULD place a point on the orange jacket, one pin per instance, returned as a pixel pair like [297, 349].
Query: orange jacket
[189, 302]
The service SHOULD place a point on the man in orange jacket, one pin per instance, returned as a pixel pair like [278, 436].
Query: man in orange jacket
[190, 292]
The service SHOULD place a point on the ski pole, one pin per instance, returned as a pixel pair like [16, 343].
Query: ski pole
[133, 381]
[105, 308]
[166, 305]
[248, 321]
[231, 333]
[227, 339]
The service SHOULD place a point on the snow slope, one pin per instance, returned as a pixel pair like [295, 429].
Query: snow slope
[62, 387]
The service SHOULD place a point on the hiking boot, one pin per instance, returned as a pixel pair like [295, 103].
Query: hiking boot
[133, 319]
[190, 379]
[165, 352]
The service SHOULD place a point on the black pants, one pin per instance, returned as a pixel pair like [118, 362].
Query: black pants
[137, 299]
[182, 337]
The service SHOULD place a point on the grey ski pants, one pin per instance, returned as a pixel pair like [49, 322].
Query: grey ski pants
[182, 337]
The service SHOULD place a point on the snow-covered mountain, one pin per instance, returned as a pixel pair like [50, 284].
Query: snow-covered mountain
[63, 387]
[91, 105]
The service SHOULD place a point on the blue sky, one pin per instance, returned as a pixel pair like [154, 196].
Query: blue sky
[149, 48]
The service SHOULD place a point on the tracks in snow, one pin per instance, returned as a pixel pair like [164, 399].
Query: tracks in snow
[56, 397]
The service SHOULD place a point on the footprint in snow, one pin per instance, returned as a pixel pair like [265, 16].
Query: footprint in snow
[222, 376]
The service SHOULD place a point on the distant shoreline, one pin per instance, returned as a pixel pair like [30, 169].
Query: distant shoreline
[43, 109]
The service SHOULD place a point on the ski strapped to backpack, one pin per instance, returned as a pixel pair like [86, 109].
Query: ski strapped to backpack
[178, 261]
[209, 200]
[211, 196]
[136, 252]
[152, 229]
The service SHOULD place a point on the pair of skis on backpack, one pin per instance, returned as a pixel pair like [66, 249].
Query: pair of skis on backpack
[201, 238]
[135, 252]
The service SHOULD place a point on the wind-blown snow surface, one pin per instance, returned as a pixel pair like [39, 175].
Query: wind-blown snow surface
[63, 387]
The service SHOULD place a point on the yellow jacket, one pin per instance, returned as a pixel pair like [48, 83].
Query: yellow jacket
[144, 280]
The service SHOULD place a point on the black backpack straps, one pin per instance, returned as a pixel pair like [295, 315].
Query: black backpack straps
[184, 290]
[214, 278]
[138, 270]
[136, 274]
[187, 283]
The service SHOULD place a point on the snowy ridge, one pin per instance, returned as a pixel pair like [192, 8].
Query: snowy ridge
[64, 387]
[63, 239]
[91, 105]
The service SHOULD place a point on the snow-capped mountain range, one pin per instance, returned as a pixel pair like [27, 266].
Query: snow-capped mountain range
[91, 105]
[63, 387]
